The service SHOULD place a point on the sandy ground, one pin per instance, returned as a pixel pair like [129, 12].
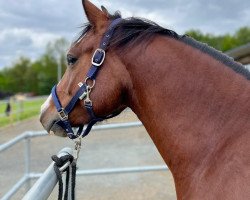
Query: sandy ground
[101, 149]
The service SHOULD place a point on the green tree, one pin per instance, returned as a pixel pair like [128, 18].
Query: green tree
[14, 79]
[37, 77]
[223, 42]
[47, 76]
[58, 50]
[47, 65]
[243, 36]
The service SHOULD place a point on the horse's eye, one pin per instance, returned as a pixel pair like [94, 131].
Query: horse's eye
[71, 59]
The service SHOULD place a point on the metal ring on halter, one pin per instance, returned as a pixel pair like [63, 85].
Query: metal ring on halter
[93, 82]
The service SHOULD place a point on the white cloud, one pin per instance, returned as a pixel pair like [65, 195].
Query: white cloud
[15, 35]
[23, 42]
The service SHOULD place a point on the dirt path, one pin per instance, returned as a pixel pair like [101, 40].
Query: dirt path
[102, 149]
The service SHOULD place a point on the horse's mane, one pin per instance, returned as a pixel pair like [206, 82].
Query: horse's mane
[132, 31]
[226, 60]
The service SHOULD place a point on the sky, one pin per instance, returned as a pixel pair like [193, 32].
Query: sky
[26, 26]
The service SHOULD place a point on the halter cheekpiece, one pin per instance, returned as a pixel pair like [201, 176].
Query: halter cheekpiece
[84, 90]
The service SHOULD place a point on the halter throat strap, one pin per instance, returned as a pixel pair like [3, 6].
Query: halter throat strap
[84, 91]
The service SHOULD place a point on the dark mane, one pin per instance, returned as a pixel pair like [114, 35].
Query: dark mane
[85, 28]
[132, 31]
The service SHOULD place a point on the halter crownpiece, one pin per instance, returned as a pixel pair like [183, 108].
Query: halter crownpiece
[85, 89]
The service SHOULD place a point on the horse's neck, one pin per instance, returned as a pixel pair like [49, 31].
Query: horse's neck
[189, 103]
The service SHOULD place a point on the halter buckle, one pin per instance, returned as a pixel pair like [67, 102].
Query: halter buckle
[63, 116]
[78, 144]
[87, 101]
[96, 60]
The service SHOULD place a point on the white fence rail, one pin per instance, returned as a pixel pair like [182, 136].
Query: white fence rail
[28, 175]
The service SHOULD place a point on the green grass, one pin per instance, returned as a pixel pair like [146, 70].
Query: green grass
[20, 110]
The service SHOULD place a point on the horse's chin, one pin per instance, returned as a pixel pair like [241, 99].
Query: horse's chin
[58, 131]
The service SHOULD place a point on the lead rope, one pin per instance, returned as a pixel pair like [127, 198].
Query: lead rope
[67, 164]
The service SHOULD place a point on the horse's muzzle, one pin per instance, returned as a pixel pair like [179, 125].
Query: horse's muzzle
[58, 130]
[51, 126]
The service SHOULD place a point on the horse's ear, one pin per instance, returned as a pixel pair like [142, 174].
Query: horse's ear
[105, 11]
[95, 16]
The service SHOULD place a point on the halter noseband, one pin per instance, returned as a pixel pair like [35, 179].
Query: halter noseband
[85, 90]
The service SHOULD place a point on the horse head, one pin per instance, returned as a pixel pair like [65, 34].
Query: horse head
[106, 92]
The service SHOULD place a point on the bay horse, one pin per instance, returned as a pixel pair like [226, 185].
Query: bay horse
[193, 100]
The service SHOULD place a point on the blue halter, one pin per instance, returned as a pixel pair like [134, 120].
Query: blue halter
[84, 91]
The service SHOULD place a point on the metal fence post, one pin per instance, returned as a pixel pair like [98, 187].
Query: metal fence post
[27, 162]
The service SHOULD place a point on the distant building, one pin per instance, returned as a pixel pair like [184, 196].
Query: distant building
[241, 54]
